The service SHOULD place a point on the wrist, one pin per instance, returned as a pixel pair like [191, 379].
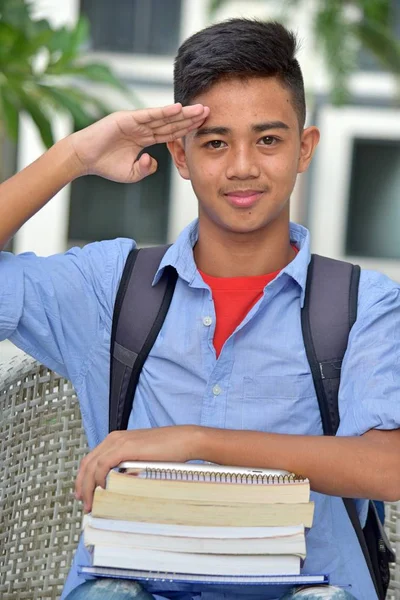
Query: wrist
[197, 440]
[69, 161]
[66, 157]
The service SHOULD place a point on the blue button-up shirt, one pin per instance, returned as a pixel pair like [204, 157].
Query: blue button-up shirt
[59, 309]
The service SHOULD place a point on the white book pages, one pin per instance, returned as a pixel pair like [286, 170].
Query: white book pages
[205, 564]
[292, 544]
[190, 530]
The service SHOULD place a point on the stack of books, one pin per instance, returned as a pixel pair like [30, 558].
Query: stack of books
[199, 522]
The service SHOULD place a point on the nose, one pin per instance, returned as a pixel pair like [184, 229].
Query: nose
[242, 164]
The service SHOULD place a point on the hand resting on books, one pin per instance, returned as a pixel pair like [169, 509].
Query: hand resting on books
[176, 444]
[373, 473]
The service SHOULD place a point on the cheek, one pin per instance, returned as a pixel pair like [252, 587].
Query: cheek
[283, 170]
[203, 175]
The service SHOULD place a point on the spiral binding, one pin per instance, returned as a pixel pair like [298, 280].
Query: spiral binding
[215, 477]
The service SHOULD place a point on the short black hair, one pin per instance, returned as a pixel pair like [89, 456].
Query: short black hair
[239, 48]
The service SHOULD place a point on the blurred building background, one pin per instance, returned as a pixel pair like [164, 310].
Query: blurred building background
[350, 198]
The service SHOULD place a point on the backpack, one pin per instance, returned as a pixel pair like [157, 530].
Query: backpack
[329, 312]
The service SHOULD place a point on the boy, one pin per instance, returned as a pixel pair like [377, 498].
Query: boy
[227, 379]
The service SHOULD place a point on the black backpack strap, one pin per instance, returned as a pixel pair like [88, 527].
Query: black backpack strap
[329, 312]
[139, 312]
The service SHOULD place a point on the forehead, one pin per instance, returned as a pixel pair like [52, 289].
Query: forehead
[245, 101]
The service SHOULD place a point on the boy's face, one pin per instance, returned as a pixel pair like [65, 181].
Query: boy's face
[244, 159]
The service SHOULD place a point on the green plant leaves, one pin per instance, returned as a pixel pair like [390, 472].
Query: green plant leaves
[333, 33]
[341, 28]
[38, 66]
[215, 5]
[39, 117]
[16, 13]
[381, 44]
[83, 108]
[9, 112]
[97, 72]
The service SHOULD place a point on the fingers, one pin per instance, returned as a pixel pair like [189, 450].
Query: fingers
[173, 443]
[183, 116]
[95, 474]
[172, 131]
[94, 469]
[85, 481]
[145, 166]
[165, 127]
[169, 113]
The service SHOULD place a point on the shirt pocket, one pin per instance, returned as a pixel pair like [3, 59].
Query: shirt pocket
[280, 404]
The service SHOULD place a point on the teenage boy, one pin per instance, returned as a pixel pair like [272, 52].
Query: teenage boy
[228, 379]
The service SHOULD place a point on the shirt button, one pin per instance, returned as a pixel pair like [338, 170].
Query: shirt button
[216, 390]
[207, 321]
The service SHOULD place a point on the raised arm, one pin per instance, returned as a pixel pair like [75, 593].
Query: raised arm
[108, 148]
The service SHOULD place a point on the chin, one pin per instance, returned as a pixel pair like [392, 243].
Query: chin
[245, 228]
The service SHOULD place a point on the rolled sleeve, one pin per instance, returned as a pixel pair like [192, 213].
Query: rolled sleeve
[55, 308]
[369, 396]
[11, 294]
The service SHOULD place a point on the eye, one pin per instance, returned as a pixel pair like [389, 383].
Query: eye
[215, 144]
[269, 140]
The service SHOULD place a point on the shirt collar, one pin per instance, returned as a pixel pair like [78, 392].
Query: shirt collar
[297, 269]
[180, 256]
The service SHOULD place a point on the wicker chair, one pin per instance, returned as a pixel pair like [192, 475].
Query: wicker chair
[41, 444]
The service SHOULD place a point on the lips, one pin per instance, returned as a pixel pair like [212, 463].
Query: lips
[244, 198]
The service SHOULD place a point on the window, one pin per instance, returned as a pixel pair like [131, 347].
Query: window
[355, 208]
[374, 201]
[102, 209]
[135, 26]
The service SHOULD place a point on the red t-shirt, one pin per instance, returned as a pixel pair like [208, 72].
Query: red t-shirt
[233, 298]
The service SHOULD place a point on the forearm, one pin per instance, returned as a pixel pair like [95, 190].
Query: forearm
[357, 467]
[28, 191]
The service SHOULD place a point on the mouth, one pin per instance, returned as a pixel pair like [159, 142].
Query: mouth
[244, 198]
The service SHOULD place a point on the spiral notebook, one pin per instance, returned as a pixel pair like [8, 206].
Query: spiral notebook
[204, 495]
[208, 472]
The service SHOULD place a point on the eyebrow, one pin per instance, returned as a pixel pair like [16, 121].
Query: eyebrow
[257, 128]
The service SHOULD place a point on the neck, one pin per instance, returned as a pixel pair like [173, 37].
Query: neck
[244, 255]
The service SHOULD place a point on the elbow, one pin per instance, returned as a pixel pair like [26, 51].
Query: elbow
[390, 490]
[392, 494]
[392, 478]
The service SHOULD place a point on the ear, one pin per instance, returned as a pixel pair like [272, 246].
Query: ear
[178, 153]
[308, 143]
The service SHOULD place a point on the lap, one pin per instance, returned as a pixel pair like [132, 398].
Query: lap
[121, 589]
[109, 589]
[325, 592]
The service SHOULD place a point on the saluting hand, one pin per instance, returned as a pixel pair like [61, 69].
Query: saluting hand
[110, 147]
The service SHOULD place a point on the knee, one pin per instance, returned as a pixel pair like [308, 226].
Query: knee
[319, 593]
[107, 589]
